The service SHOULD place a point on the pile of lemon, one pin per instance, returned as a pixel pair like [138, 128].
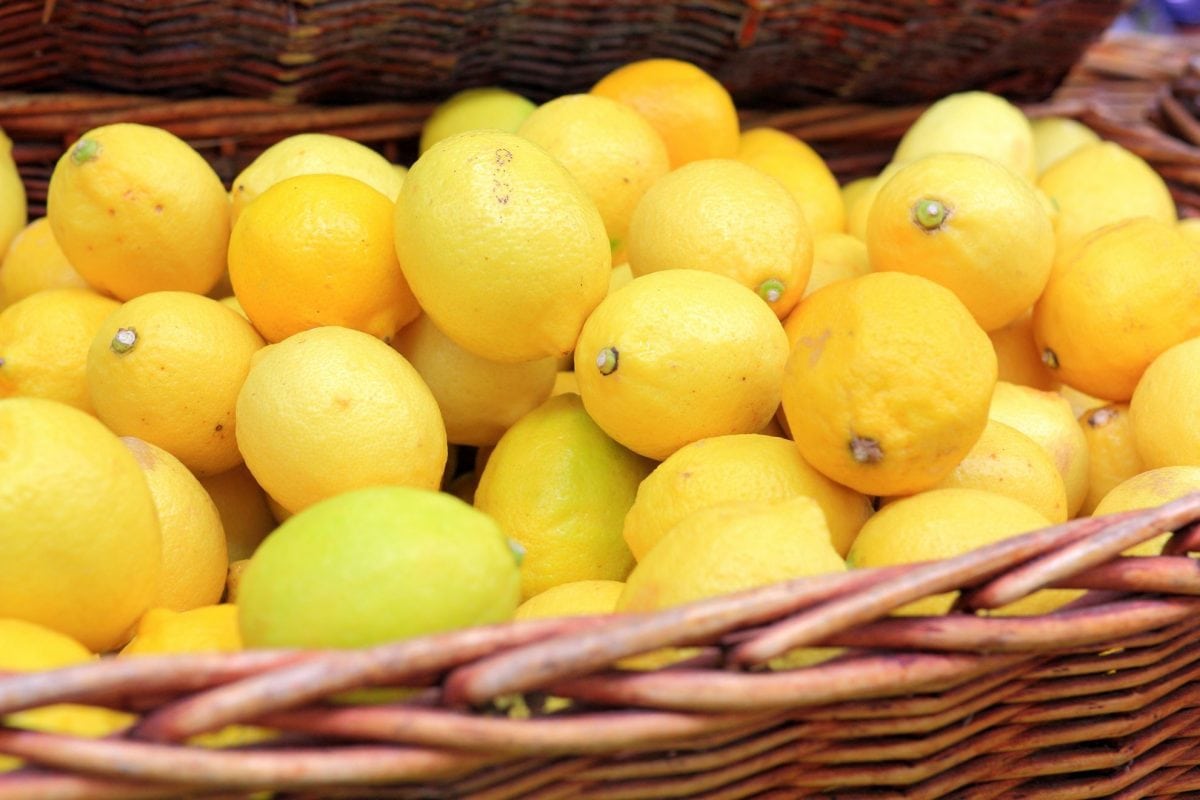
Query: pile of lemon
[609, 353]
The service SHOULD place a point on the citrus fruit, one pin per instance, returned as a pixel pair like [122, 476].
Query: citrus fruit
[560, 487]
[333, 409]
[1164, 406]
[313, 154]
[577, 598]
[1079, 401]
[242, 504]
[1054, 138]
[729, 548]
[136, 210]
[565, 382]
[888, 383]
[205, 629]
[970, 225]
[859, 213]
[852, 191]
[1149, 489]
[34, 262]
[81, 551]
[944, 523]
[731, 469]
[44, 341]
[978, 123]
[474, 109]
[195, 558]
[1046, 417]
[836, 257]
[689, 108]
[375, 565]
[1018, 359]
[317, 250]
[726, 217]
[13, 212]
[1118, 300]
[678, 356]
[479, 399]
[502, 247]
[166, 367]
[1008, 462]
[1099, 184]
[1190, 228]
[802, 172]
[1112, 452]
[613, 151]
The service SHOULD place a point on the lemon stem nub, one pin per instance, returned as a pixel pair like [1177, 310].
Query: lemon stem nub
[866, 450]
[517, 549]
[84, 151]
[930, 214]
[1049, 358]
[606, 362]
[771, 290]
[123, 341]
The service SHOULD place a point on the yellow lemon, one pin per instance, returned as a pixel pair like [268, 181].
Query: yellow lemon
[944, 523]
[44, 341]
[81, 551]
[978, 123]
[166, 367]
[1121, 298]
[1190, 228]
[726, 217]
[233, 580]
[1080, 401]
[565, 382]
[13, 212]
[732, 469]
[204, 629]
[802, 171]
[1046, 418]
[479, 399]
[1099, 184]
[560, 487]
[474, 109]
[853, 191]
[1017, 356]
[136, 210]
[1008, 462]
[431, 562]
[858, 214]
[689, 108]
[970, 225]
[333, 409]
[242, 504]
[1149, 489]
[317, 250]
[194, 555]
[574, 599]
[536, 260]
[613, 151]
[729, 548]
[1055, 138]
[836, 257]
[34, 262]
[1112, 452]
[888, 384]
[313, 154]
[26, 647]
[678, 356]
[1164, 406]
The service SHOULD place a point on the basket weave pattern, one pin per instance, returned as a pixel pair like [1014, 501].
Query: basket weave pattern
[1098, 699]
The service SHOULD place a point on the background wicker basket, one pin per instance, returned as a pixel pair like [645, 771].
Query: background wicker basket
[1098, 700]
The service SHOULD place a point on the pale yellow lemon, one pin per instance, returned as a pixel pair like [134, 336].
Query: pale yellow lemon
[577, 598]
[1189, 227]
[803, 173]
[81, 551]
[204, 629]
[242, 504]
[1055, 138]
[166, 367]
[1148, 489]
[333, 409]
[1119, 299]
[473, 109]
[565, 382]
[888, 383]
[836, 257]
[677, 356]
[723, 216]
[536, 260]
[1164, 407]
[34, 262]
[1112, 451]
[13, 209]
[979, 123]
[136, 209]
[1017, 355]
[44, 341]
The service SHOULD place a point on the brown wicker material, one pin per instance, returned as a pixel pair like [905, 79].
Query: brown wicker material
[790, 51]
[1098, 699]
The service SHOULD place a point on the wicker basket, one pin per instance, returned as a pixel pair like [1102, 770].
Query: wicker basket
[1100, 699]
